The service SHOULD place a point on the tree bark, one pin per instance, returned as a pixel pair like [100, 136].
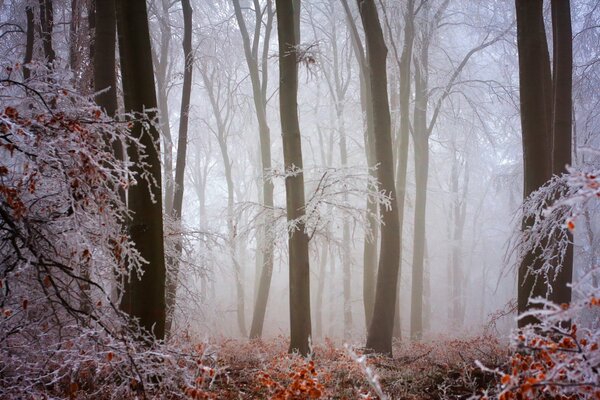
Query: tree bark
[46, 28]
[534, 90]
[30, 42]
[562, 124]
[143, 297]
[379, 336]
[172, 278]
[299, 281]
[105, 75]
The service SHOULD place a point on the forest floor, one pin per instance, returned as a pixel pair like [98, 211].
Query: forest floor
[436, 369]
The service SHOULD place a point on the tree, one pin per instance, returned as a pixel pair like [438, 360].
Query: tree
[300, 323]
[46, 28]
[562, 80]
[379, 336]
[403, 62]
[105, 76]
[546, 113]
[259, 79]
[161, 56]
[171, 287]
[144, 296]
[372, 230]
[30, 32]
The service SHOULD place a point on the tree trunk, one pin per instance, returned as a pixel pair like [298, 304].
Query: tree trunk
[379, 337]
[143, 297]
[321, 290]
[300, 324]
[172, 278]
[534, 90]
[421, 144]
[30, 42]
[105, 75]
[562, 124]
[46, 28]
[372, 228]
[73, 35]
[260, 106]
[162, 78]
[403, 140]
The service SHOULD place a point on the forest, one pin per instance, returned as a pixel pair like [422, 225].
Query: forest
[299, 199]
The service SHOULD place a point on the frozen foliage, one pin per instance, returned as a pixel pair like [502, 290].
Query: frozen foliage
[64, 252]
[558, 357]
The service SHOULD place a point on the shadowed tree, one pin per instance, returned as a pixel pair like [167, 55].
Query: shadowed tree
[144, 296]
[546, 119]
[379, 336]
[300, 323]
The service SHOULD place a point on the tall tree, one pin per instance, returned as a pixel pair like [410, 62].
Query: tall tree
[162, 59]
[105, 74]
[30, 32]
[379, 336]
[300, 323]
[546, 122]
[535, 91]
[257, 61]
[144, 296]
[219, 75]
[372, 228]
[184, 118]
[403, 62]
[562, 80]
[46, 28]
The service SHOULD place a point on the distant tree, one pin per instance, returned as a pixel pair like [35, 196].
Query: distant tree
[257, 61]
[144, 296]
[379, 336]
[300, 322]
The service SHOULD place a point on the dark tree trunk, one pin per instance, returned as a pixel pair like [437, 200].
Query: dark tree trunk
[46, 28]
[379, 336]
[534, 90]
[300, 323]
[73, 35]
[172, 278]
[562, 123]
[30, 42]
[105, 75]
[143, 297]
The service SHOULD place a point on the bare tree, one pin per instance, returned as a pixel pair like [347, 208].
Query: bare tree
[379, 336]
[372, 230]
[300, 323]
[257, 61]
[143, 297]
[184, 117]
